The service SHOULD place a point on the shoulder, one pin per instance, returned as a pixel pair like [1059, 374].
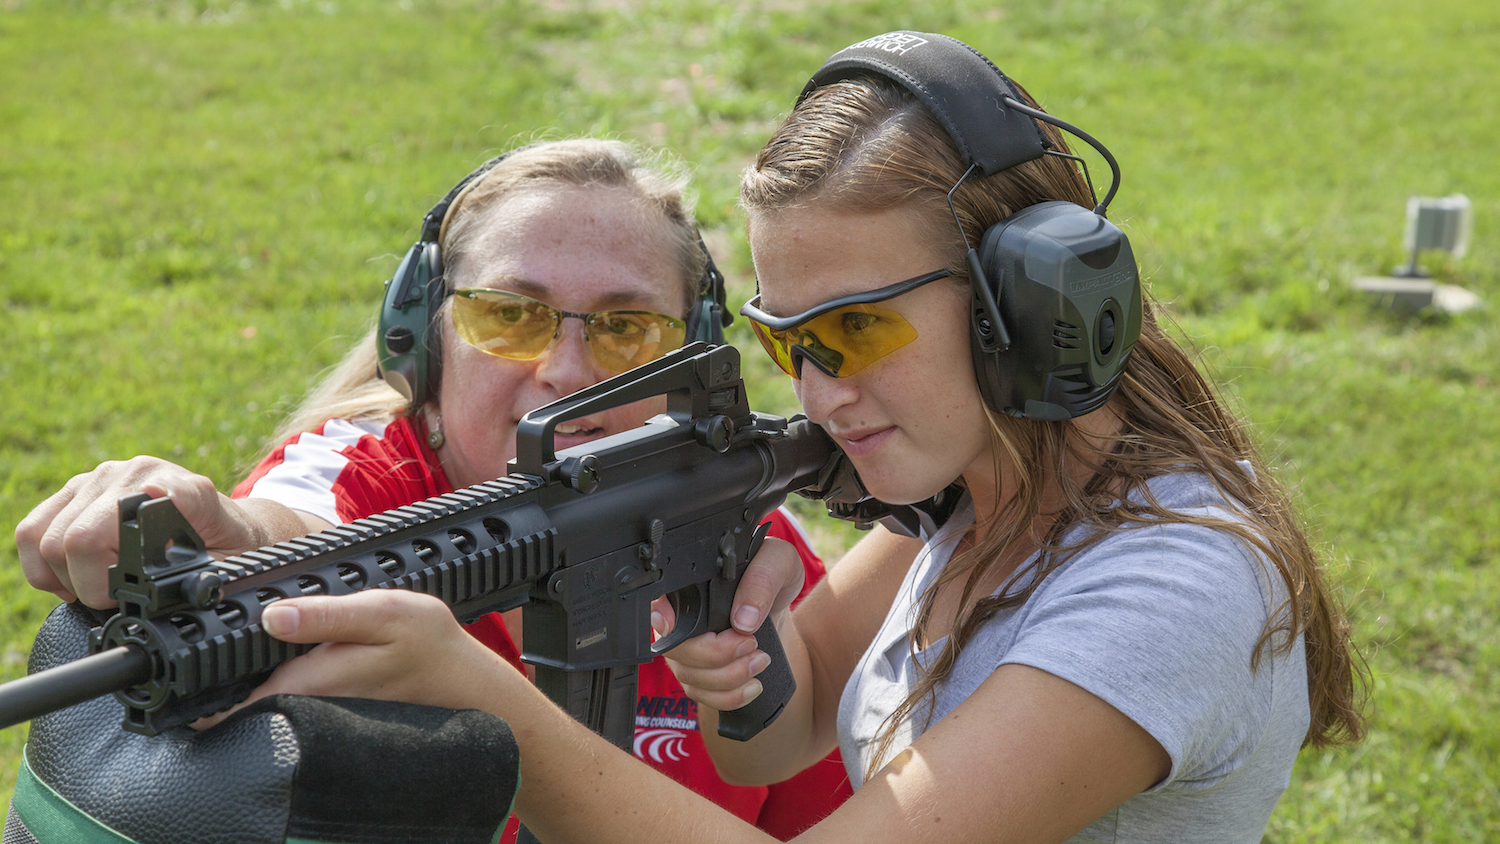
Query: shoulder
[324, 450]
[1162, 622]
[1196, 578]
[1208, 552]
[346, 469]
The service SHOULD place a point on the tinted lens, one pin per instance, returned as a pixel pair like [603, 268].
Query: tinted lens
[623, 340]
[841, 342]
[776, 345]
[504, 324]
[517, 327]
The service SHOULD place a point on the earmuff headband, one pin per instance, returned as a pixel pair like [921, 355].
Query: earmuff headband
[435, 224]
[960, 86]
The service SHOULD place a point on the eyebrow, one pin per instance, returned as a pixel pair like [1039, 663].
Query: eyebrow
[614, 299]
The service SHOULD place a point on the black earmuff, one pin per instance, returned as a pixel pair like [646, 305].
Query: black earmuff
[709, 317]
[1056, 296]
[407, 357]
[412, 296]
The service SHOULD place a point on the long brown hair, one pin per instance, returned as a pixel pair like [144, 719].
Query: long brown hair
[868, 144]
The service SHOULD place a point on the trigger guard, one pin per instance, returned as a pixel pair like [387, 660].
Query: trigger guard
[683, 628]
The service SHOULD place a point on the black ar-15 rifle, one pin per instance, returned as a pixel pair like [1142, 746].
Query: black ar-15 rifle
[585, 539]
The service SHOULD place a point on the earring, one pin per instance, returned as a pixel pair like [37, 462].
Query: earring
[435, 436]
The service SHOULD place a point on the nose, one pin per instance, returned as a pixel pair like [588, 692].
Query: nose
[568, 364]
[822, 395]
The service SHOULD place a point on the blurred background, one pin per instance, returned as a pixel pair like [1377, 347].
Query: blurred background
[200, 201]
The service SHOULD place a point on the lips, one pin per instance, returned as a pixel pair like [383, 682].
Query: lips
[575, 432]
[863, 442]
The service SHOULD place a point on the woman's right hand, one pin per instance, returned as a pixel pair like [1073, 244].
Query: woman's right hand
[719, 669]
[68, 542]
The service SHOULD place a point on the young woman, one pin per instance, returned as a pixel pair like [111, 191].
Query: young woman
[594, 260]
[1120, 633]
[1113, 629]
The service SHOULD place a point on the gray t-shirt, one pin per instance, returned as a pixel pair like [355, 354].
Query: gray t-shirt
[1159, 622]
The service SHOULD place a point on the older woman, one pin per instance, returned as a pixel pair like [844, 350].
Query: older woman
[553, 267]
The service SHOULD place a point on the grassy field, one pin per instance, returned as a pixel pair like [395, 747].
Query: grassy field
[201, 199]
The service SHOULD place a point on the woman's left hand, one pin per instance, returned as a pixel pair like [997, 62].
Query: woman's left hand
[387, 644]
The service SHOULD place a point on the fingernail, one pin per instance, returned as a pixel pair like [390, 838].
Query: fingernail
[752, 690]
[280, 620]
[658, 624]
[759, 662]
[745, 648]
[747, 619]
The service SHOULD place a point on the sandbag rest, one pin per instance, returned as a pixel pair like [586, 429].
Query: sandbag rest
[286, 770]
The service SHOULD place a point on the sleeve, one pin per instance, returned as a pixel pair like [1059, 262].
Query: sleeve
[304, 472]
[346, 470]
[1161, 623]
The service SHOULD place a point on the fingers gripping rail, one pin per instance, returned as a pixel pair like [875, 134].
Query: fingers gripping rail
[584, 539]
[199, 619]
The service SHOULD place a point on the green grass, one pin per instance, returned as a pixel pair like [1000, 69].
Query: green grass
[177, 173]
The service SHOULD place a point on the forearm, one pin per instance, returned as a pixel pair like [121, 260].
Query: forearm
[577, 787]
[824, 638]
[392, 644]
[270, 521]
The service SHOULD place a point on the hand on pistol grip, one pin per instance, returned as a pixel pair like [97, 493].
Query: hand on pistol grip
[694, 615]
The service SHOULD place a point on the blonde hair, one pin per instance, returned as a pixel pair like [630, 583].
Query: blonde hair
[868, 144]
[354, 390]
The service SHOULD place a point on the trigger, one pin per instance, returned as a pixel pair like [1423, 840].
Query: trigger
[678, 635]
[683, 628]
[756, 539]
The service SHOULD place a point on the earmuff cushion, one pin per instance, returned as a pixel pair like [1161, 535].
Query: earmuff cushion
[1066, 284]
[411, 300]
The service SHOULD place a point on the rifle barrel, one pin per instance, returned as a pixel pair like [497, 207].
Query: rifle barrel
[73, 683]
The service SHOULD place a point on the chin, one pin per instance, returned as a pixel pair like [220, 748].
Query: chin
[897, 488]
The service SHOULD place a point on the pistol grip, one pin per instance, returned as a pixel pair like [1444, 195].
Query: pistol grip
[777, 684]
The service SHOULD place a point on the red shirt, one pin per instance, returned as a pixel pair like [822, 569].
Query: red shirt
[347, 470]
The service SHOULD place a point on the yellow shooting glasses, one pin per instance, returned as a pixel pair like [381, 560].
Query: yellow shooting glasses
[841, 336]
[517, 327]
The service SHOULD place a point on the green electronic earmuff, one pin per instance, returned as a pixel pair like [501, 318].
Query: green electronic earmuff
[406, 356]
[1056, 295]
